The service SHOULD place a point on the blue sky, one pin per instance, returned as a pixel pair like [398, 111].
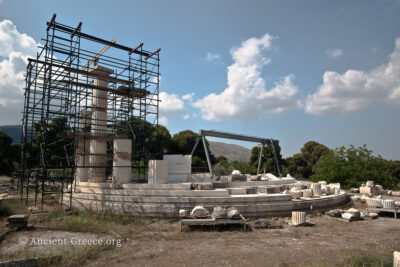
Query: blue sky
[296, 71]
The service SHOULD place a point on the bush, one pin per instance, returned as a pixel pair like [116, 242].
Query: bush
[6, 209]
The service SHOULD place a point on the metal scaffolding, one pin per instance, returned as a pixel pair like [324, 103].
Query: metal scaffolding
[62, 96]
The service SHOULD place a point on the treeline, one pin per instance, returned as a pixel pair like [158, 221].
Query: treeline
[350, 166]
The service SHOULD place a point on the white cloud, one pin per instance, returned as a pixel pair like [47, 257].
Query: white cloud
[334, 53]
[188, 97]
[13, 41]
[163, 120]
[246, 96]
[212, 57]
[15, 48]
[355, 90]
[186, 116]
[170, 104]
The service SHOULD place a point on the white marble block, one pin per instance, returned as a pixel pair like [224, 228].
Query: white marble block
[122, 165]
[181, 164]
[158, 172]
[307, 193]
[298, 218]
[316, 188]
[396, 259]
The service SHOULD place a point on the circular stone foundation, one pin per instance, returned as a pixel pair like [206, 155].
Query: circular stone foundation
[165, 200]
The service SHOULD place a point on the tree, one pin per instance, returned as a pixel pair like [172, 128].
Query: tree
[268, 157]
[353, 166]
[297, 166]
[6, 152]
[183, 143]
[301, 165]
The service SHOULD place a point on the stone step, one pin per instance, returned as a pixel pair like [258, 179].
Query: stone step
[181, 186]
[156, 193]
[179, 199]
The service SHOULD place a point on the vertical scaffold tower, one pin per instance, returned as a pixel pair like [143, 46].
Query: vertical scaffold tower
[86, 112]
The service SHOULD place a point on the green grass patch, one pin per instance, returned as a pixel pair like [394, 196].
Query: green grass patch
[6, 209]
[362, 260]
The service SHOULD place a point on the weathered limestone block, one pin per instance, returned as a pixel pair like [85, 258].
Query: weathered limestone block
[396, 259]
[233, 213]
[202, 186]
[316, 188]
[336, 213]
[329, 190]
[374, 203]
[237, 191]
[261, 223]
[268, 189]
[238, 177]
[199, 212]
[17, 221]
[388, 204]
[348, 216]
[322, 183]
[396, 193]
[296, 194]
[355, 190]
[219, 213]
[379, 188]
[337, 191]
[298, 218]
[370, 183]
[368, 190]
[271, 177]
[356, 213]
[307, 193]
[224, 179]
[286, 192]
[373, 215]
[255, 178]
[251, 190]
[122, 165]
[183, 213]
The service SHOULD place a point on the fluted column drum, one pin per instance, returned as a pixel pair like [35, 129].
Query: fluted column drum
[122, 165]
[374, 203]
[388, 204]
[298, 217]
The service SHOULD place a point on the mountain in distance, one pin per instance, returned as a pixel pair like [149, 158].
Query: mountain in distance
[230, 151]
[14, 131]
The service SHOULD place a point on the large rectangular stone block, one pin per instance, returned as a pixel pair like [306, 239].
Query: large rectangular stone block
[179, 163]
[158, 172]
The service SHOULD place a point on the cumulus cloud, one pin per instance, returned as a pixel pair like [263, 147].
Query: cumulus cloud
[246, 96]
[15, 48]
[188, 97]
[186, 116]
[334, 53]
[212, 57]
[355, 90]
[170, 104]
[163, 120]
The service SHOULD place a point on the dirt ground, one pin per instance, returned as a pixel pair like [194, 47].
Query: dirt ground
[160, 242]
[329, 243]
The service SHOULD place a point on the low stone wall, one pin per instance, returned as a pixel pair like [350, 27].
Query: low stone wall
[166, 203]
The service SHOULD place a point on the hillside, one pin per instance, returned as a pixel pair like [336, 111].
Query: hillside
[12, 130]
[230, 151]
